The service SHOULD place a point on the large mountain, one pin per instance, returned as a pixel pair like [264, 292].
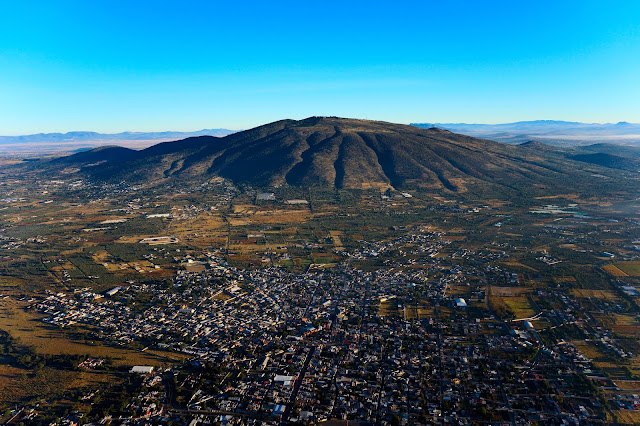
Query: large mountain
[350, 153]
[560, 133]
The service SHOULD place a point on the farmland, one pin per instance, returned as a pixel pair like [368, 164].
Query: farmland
[140, 278]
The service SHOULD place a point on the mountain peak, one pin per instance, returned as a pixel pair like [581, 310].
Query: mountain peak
[340, 153]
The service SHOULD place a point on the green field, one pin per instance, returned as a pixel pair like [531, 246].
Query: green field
[631, 268]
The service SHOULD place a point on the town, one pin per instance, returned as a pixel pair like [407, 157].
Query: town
[414, 323]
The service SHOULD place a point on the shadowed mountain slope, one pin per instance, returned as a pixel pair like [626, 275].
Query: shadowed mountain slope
[346, 153]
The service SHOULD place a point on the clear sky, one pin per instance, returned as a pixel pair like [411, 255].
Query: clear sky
[112, 66]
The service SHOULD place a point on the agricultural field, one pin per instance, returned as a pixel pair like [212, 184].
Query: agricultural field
[509, 291]
[388, 307]
[596, 294]
[520, 306]
[614, 270]
[27, 326]
[629, 268]
[395, 264]
[627, 417]
[417, 312]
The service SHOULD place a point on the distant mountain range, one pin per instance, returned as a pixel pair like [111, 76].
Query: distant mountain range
[56, 142]
[124, 136]
[361, 154]
[559, 133]
[550, 132]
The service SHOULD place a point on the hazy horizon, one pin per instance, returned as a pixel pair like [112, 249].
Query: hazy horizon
[205, 128]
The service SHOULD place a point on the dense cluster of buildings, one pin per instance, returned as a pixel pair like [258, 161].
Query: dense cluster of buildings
[396, 346]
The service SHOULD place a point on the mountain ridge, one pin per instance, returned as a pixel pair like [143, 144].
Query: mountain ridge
[351, 154]
[554, 132]
[78, 136]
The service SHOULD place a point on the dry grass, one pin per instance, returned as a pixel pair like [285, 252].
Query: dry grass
[613, 270]
[629, 385]
[221, 296]
[205, 230]
[628, 417]
[595, 294]
[337, 242]
[632, 331]
[417, 312]
[101, 256]
[520, 306]
[253, 248]
[631, 268]
[589, 350]
[376, 185]
[624, 319]
[7, 284]
[520, 265]
[454, 238]
[509, 291]
[29, 328]
[244, 208]
[18, 385]
[388, 307]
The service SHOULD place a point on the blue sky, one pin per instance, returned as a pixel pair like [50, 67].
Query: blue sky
[112, 66]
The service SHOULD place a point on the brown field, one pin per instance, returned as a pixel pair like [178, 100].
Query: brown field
[520, 265]
[5, 161]
[632, 331]
[595, 294]
[417, 312]
[454, 238]
[457, 290]
[249, 247]
[133, 238]
[388, 307]
[282, 216]
[625, 319]
[588, 349]
[337, 242]
[509, 291]
[570, 246]
[628, 417]
[117, 267]
[234, 221]
[143, 266]
[101, 256]
[633, 385]
[613, 270]
[247, 214]
[221, 296]
[28, 327]
[244, 209]
[206, 221]
[10, 282]
[18, 385]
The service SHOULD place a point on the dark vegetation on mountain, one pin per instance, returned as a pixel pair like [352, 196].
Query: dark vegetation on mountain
[110, 154]
[360, 154]
[608, 160]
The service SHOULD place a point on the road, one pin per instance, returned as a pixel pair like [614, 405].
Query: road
[296, 386]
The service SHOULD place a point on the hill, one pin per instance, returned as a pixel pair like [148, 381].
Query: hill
[52, 143]
[94, 136]
[350, 153]
[559, 133]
